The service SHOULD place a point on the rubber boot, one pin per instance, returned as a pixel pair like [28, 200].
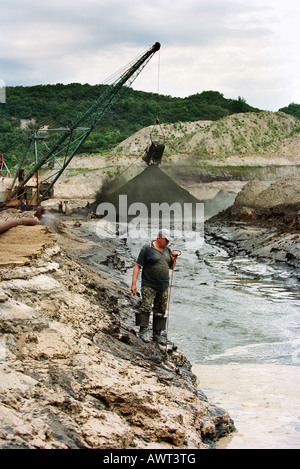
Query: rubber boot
[142, 320]
[159, 325]
[143, 334]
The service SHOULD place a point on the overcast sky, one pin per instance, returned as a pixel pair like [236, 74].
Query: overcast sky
[247, 48]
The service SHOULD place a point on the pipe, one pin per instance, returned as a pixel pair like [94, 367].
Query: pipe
[6, 225]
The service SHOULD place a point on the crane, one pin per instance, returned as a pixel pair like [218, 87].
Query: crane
[72, 137]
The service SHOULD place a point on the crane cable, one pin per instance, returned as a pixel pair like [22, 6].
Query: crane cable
[157, 109]
[157, 121]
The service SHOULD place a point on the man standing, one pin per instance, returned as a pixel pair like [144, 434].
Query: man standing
[155, 259]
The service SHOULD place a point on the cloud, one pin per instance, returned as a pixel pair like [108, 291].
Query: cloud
[238, 47]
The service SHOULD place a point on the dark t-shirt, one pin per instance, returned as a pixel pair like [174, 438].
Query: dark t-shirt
[156, 267]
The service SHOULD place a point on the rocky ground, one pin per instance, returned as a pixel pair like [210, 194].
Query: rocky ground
[73, 373]
[263, 222]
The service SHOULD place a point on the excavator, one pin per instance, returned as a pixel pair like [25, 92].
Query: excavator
[56, 158]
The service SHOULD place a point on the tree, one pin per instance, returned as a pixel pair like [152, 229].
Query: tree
[293, 109]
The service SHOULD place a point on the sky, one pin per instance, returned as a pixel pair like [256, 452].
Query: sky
[246, 48]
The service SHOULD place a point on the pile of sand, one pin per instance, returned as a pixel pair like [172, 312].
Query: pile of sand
[249, 193]
[151, 186]
[284, 191]
[277, 205]
[22, 243]
[256, 194]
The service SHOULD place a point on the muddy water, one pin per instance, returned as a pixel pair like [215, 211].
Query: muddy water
[262, 399]
[226, 309]
[234, 309]
[238, 321]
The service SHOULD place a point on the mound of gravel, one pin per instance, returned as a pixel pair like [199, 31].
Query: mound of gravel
[256, 194]
[277, 205]
[150, 186]
[249, 193]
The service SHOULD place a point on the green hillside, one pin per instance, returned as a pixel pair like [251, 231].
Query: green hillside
[58, 105]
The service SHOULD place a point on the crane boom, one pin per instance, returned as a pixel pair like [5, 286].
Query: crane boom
[69, 142]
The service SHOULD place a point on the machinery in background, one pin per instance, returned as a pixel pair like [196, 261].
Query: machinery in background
[154, 151]
[55, 158]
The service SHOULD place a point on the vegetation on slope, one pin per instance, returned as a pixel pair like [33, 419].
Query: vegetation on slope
[244, 134]
[292, 109]
[251, 133]
[56, 106]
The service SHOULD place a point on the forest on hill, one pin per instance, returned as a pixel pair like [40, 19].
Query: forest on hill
[59, 105]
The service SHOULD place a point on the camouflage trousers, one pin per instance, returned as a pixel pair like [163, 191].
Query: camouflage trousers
[154, 300]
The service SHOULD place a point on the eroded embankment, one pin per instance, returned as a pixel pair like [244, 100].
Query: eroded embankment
[72, 375]
[265, 243]
[263, 222]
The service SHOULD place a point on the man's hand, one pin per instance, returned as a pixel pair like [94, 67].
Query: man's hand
[135, 275]
[174, 255]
